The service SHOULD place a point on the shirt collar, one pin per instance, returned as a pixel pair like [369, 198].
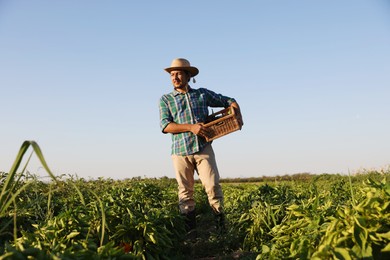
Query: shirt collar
[175, 92]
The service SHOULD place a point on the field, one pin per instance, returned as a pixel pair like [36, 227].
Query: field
[295, 217]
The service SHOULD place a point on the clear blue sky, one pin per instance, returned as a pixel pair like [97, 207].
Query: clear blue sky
[83, 79]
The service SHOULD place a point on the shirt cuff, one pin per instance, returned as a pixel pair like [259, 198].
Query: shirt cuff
[231, 101]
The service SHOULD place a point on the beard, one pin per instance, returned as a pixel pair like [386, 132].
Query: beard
[180, 86]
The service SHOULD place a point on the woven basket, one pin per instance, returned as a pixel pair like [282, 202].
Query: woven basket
[222, 123]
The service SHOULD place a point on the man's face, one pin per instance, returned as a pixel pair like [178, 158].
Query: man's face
[179, 79]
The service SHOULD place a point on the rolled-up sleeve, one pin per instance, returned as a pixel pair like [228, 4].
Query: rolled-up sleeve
[165, 115]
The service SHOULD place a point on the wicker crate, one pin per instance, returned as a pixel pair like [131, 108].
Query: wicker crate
[222, 123]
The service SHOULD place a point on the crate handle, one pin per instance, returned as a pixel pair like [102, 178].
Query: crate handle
[220, 123]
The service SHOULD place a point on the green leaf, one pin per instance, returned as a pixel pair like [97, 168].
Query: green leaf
[8, 186]
[360, 235]
[151, 237]
[342, 253]
[384, 235]
[72, 235]
[367, 252]
[386, 248]
[265, 249]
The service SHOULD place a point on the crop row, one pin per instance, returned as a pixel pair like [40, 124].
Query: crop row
[321, 217]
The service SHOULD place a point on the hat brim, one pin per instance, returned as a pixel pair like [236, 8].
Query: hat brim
[192, 70]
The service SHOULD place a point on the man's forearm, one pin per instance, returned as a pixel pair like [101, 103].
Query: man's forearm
[174, 128]
[196, 129]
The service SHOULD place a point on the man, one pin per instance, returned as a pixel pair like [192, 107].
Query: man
[182, 113]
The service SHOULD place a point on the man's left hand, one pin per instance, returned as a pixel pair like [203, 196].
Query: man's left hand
[238, 112]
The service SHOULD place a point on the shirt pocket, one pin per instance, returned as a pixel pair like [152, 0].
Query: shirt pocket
[199, 107]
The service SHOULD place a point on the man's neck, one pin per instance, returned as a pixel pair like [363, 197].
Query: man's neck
[183, 89]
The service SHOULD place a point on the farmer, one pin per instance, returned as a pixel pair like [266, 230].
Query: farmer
[182, 113]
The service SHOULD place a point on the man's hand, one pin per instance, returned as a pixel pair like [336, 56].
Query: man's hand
[199, 129]
[238, 112]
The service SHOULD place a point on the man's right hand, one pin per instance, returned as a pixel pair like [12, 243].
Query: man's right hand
[199, 129]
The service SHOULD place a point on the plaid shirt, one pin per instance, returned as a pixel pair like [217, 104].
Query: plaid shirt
[189, 108]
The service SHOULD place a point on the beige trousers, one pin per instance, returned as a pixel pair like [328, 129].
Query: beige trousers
[205, 165]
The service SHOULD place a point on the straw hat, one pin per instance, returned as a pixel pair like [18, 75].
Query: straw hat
[182, 64]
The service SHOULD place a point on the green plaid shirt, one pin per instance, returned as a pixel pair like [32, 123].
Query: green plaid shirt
[189, 108]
